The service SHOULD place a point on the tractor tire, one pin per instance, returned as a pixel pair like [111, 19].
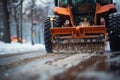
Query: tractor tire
[47, 36]
[114, 32]
[114, 46]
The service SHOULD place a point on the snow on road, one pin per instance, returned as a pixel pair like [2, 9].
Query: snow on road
[44, 67]
[14, 48]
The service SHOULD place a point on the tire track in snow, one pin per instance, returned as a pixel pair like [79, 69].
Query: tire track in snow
[4, 66]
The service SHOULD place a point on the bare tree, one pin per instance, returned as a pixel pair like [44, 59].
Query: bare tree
[6, 36]
[32, 19]
[21, 17]
[16, 12]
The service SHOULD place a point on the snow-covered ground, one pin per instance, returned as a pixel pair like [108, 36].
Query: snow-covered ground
[14, 48]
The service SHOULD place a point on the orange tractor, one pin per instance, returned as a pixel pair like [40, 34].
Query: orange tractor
[80, 26]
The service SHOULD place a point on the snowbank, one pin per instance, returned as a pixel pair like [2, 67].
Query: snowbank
[13, 48]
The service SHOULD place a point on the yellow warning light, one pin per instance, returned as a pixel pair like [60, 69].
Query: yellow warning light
[51, 19]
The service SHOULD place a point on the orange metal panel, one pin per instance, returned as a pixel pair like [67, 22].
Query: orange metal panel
[79, 32]
[61, 10]
[65, 11]
[105, 8]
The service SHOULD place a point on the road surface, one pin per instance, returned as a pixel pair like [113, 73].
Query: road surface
[42, 66]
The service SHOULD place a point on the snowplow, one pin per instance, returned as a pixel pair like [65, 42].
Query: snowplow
[79, 26]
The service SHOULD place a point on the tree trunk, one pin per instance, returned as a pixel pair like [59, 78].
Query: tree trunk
[32, 31]
[6, 36]
[21, 21]
[17, 24]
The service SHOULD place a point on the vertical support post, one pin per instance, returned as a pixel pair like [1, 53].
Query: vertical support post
[51, 20]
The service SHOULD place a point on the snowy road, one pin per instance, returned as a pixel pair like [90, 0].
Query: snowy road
[41, 66]
[35, 63]
[7, 62]
[104, 67]
[8, 59]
